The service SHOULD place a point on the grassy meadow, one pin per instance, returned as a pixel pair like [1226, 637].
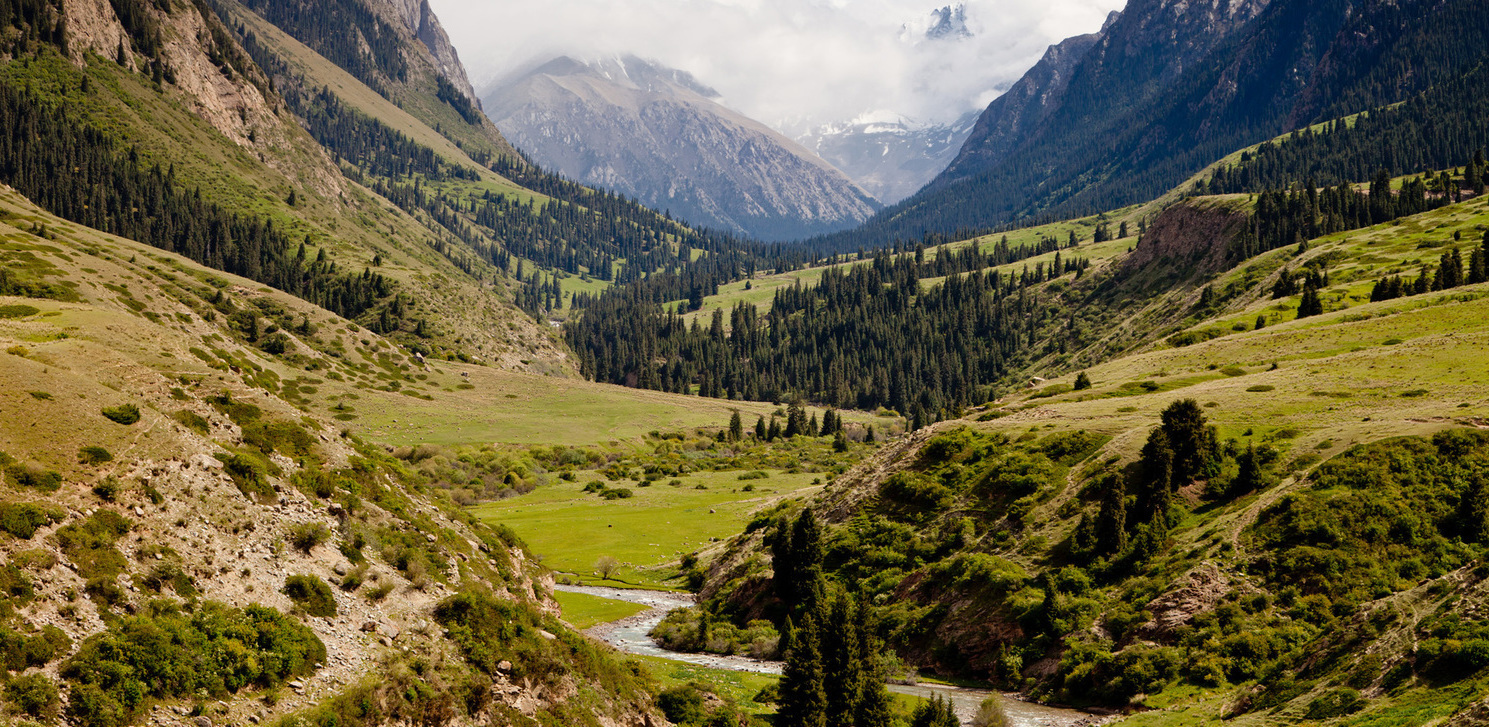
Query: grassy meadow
[648, 533]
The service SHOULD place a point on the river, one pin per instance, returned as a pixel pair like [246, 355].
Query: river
[631, 635]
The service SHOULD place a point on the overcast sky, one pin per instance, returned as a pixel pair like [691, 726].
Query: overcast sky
[785, 62]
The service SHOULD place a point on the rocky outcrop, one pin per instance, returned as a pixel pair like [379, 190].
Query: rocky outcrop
[420, 20]
[661, 136]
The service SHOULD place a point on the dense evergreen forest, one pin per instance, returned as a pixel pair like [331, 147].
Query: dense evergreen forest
[866, 336]
[1439, 129]
[78, 173]
[345, 32]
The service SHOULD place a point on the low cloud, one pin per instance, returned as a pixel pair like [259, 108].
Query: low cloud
[788, 63]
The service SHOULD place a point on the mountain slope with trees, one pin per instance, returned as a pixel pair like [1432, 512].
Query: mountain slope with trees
[1270, 513]
[1121, 129]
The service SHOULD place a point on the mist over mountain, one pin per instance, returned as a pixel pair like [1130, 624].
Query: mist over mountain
[888, 155]
[661, 136]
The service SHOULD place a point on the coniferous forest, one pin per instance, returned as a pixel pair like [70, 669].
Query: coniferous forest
[867, 337]
[79, 174]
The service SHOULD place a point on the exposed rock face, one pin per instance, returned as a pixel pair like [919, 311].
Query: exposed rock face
[419, 18]
[889, 156]
[661, 136]
[1135, 55]
[1017, 113]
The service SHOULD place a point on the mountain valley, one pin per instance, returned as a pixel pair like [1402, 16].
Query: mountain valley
[333, 394]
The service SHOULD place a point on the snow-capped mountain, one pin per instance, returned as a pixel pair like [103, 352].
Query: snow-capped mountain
[662, 136]
[890, 156]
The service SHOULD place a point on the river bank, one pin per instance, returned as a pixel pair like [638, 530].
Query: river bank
[632, 636]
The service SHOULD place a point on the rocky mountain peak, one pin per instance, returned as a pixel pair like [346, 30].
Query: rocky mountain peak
[661, 135]
[420, 20]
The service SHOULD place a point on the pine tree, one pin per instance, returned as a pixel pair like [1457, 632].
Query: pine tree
[803, 695]
[839, 442]
[1310, 304]
[736, 427]
[1473, 511]
[842, 663]
[796, 421]
[1082, 381]
[1111, 523]
[760, 432]
[935, 712]
[807, 586]
[774, 432]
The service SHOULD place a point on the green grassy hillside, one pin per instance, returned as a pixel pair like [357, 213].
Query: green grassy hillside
[161, 468]
[1284, 592]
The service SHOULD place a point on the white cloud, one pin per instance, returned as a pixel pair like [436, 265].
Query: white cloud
[784, 62]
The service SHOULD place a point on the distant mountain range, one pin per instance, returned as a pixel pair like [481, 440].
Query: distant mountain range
[888, 155]
[661, 136]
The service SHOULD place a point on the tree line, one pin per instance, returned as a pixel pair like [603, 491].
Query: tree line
[346, 33]
[79, 174]
[866, 336]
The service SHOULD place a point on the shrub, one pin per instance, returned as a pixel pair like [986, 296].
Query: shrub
[89, 544]
[92, 455]
[380, 592]
[125, 414]
[34, 695]
[193, 421]
[32, 476]
[22, 519]
[250, 474]
[305, 536]
[1261, 388]
[1335, 703]
[311, 594]
[107, 489]
[755, 475]
[683, 705]
[19, 652]
[159, 656]
[18, 311]
[269, 436]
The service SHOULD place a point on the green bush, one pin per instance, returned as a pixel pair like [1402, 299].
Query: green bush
[18, 311]
[306, 536]
[22, 519]
[89, 544]
[37, 478]
[93, 455]
[311, 594]
[125, 414]
[249, 473]
[683, 705]
[162, 656]
[275, 435]
[1335, 703]
[34, 695]
[15, 587]
[19, 652]
[193, 421]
